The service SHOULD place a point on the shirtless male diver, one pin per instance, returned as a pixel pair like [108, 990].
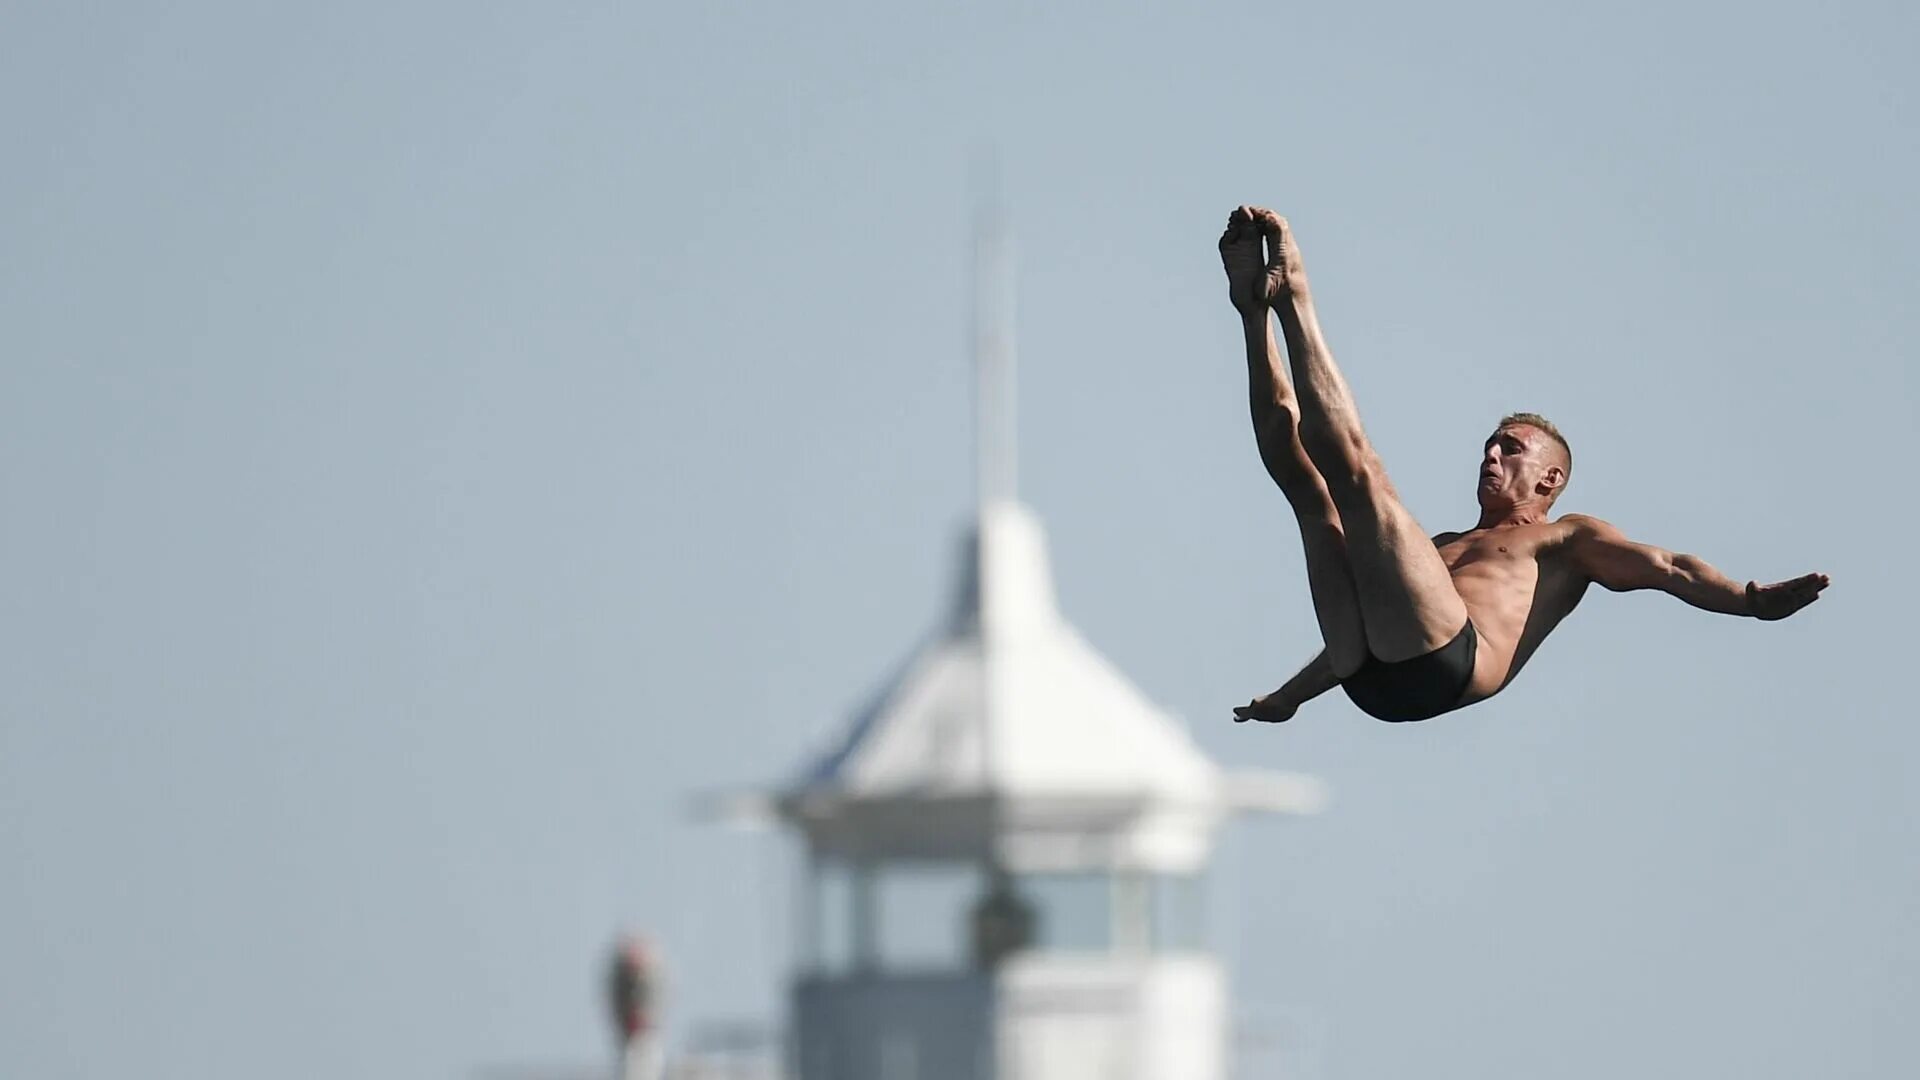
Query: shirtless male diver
[1417, 626]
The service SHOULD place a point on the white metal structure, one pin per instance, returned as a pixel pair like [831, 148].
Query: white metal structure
[1010, 752]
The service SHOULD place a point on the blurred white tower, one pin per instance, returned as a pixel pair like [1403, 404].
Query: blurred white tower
[1004, 856]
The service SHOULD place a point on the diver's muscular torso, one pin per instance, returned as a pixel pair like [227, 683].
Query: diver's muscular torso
[1518, 582]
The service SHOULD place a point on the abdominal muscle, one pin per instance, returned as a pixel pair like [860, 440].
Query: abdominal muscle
[1500, 578]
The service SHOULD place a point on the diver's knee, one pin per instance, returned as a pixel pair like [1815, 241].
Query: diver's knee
[1343, 455]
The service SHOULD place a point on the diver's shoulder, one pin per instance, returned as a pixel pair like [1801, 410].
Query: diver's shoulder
[1578, 529]
[1581, 523]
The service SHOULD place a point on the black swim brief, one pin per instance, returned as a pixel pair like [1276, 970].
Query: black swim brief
[1416, 689]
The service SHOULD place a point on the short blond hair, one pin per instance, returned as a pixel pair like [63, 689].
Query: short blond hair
[1535, 420]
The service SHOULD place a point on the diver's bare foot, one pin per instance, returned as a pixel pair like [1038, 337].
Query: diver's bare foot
[1272, 709]
[1286, 274]
[1246, 266]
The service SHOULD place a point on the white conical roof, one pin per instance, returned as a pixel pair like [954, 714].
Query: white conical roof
[1013, 702]
[1008, 737]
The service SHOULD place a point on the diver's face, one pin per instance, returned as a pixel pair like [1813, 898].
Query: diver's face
[1514, 466]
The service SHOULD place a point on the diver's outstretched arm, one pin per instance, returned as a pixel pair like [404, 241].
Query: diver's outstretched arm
[1606, 556]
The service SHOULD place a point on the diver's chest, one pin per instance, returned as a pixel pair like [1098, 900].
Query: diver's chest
[1485, 552]
[1495, 554]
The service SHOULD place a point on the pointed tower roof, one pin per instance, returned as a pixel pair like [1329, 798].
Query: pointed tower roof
[1009, 736]
[1012, 702]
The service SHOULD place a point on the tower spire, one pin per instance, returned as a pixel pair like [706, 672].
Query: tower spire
[993, 357]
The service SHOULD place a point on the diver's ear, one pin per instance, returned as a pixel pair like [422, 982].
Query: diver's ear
[1553, 480]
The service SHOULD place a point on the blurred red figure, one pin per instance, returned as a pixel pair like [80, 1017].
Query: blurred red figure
[632, 988]
[635, 995]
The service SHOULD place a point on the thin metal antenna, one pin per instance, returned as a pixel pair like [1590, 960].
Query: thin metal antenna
[994, 434]
[993, 426]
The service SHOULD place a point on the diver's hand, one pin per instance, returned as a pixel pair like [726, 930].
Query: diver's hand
[1275, 708]
[1783, 598]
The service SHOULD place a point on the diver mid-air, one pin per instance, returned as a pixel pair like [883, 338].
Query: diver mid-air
[1416, 626]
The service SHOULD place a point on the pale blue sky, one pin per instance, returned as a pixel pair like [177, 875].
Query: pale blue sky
[438, 438]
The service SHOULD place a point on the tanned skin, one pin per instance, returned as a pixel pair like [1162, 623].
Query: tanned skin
[1381, 586]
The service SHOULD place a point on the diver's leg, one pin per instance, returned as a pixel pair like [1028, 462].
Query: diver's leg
[1408, 605]
[1276, 428]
